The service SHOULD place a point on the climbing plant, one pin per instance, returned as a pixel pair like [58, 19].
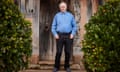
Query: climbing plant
[15, 38]
[101, 43]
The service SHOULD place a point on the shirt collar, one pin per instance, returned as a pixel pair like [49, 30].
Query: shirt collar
[63, 12]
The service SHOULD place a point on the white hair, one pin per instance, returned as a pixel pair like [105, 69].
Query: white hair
[63, 4]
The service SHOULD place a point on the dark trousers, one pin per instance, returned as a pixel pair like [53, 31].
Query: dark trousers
[63, 41]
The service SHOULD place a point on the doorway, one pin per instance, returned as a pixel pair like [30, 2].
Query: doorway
[48, 8]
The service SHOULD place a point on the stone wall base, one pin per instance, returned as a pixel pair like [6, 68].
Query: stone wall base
[34, 59]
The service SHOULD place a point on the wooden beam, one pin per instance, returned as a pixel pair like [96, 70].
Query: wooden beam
[94, 6]
[83, 20]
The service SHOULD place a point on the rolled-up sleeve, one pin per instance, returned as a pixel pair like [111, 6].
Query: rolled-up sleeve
[74, 26]
[54, 26]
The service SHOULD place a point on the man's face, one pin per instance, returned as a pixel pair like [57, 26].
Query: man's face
[63, 7]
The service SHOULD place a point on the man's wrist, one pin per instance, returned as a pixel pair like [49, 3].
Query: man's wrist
[55, 35]
[72, 34]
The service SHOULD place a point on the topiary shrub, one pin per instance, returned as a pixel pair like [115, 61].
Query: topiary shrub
[101, 44]
[15, 38]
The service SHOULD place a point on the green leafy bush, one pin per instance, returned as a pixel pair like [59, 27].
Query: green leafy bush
[102, 39]
[15, 38]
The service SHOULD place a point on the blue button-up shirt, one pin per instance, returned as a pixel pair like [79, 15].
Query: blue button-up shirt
[64, 23]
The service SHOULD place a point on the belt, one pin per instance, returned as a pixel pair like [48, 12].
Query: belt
[64, 33]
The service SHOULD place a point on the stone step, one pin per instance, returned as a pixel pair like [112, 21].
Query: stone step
[50, 67]
[52, 62]
[51, 71]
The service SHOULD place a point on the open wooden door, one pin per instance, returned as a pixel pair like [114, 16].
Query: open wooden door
[48, 8]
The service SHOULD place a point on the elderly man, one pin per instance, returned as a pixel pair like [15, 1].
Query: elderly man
[64, 29]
